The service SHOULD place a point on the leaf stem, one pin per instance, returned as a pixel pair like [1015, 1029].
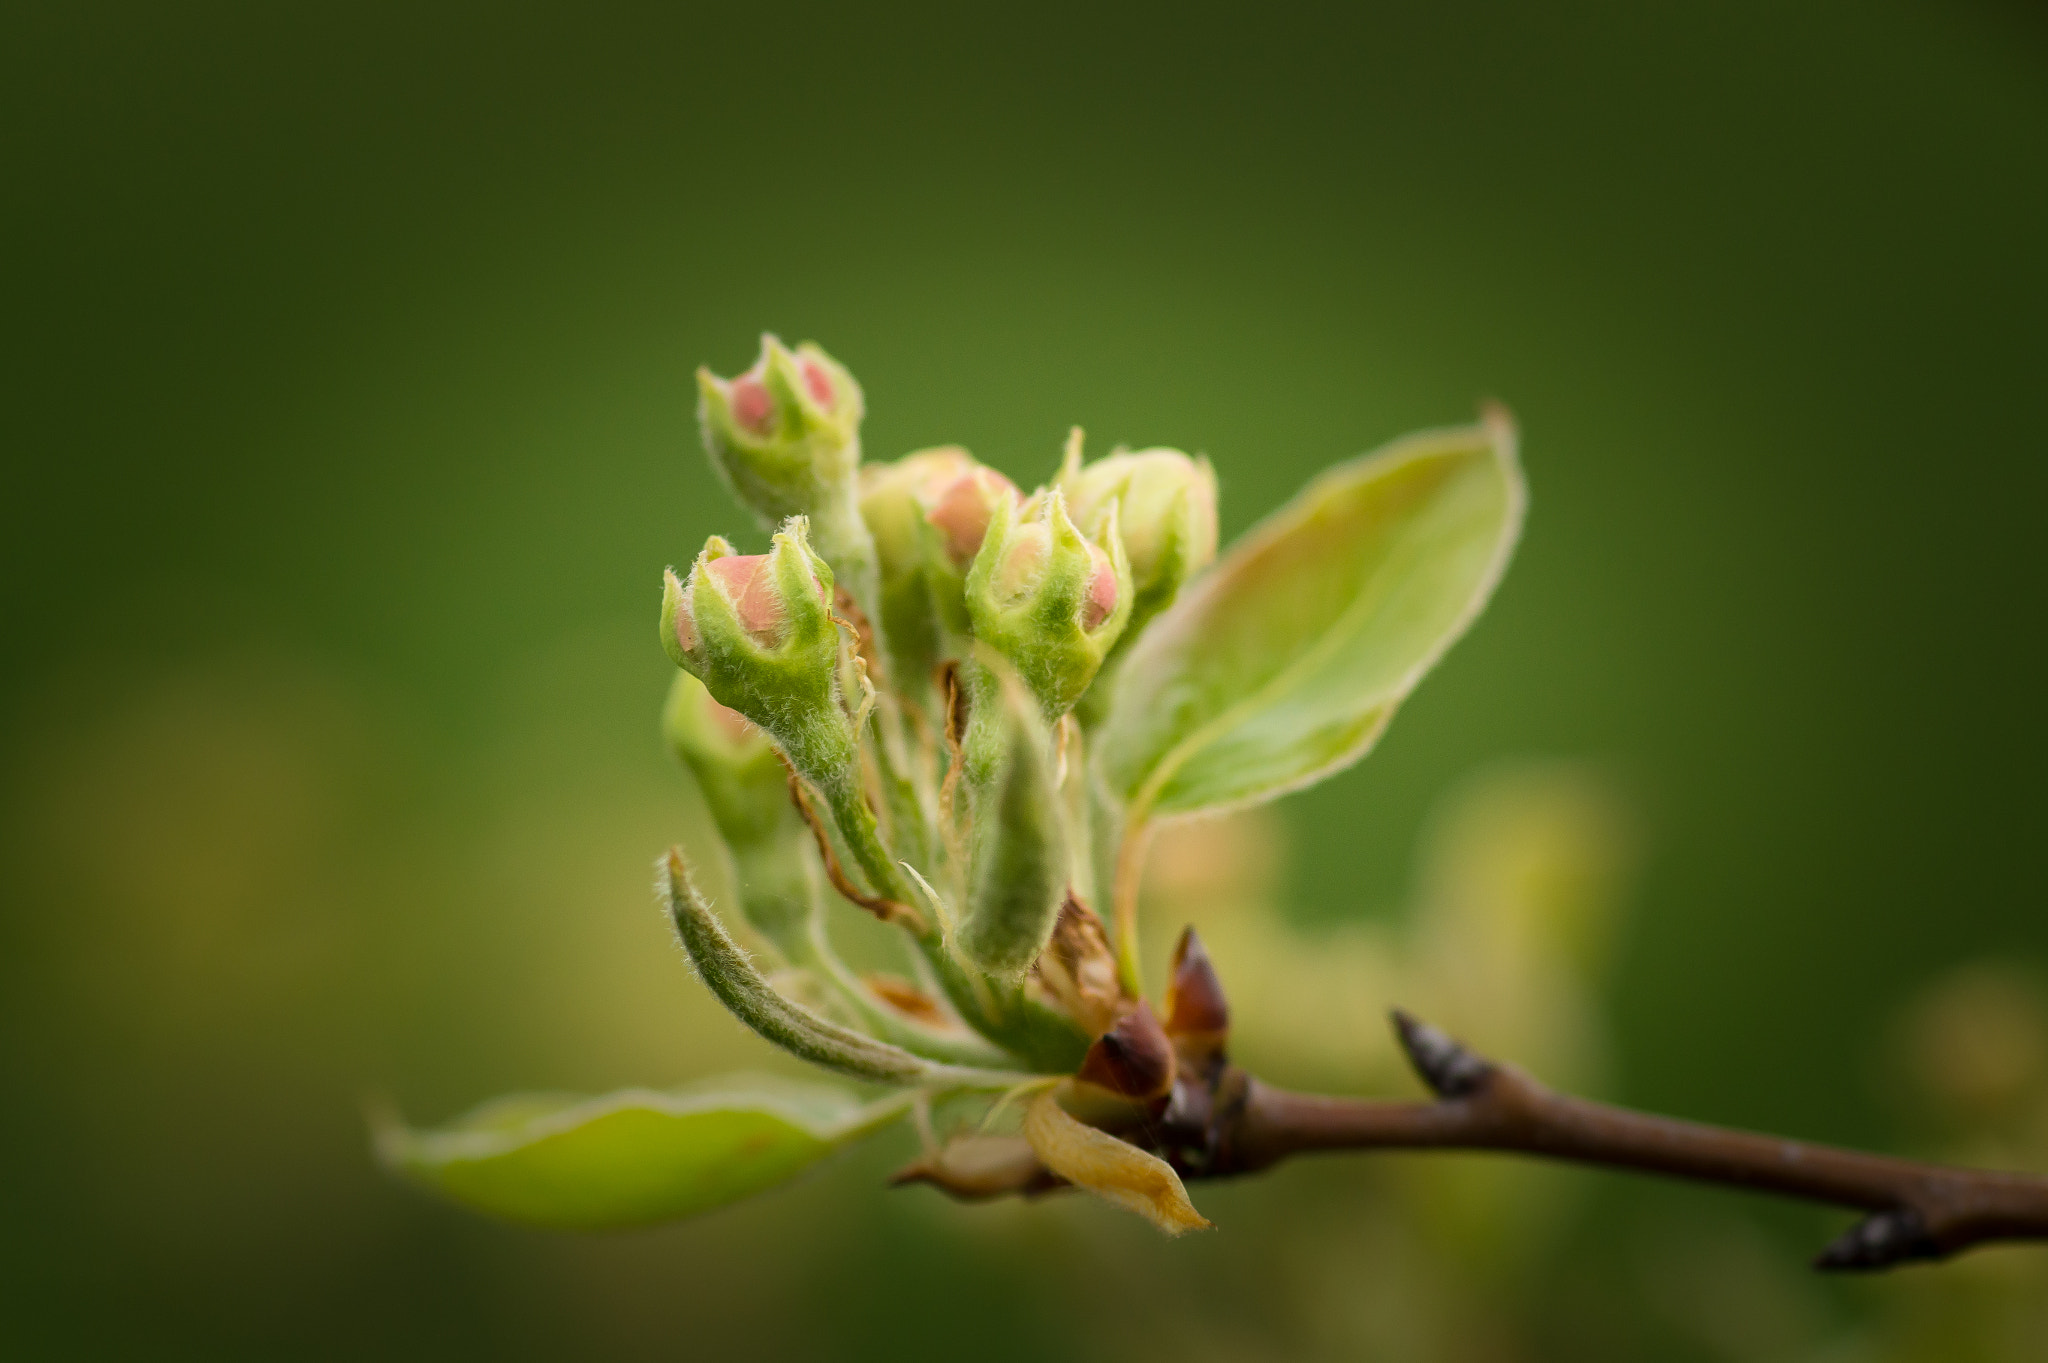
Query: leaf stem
[1130, 873]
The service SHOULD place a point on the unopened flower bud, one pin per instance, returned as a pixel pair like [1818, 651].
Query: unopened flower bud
[893, 501]
[786, 431]
[785, 436]
[1166, 510]
[758, 631]
[957, 516]
[962, 508]
[1048, 598]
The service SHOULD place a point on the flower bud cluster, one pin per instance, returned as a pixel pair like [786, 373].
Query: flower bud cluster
[960, 810]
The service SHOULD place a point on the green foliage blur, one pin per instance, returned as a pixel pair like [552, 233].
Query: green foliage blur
[348, 399]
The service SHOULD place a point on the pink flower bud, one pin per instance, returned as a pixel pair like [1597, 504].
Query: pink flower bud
[1100, 602]
[1023, 563]
[819, 383]
[750, 405]
[746, 581]
[962, 511]
[751, 587]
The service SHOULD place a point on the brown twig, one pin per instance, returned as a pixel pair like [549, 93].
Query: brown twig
[1915, 1211]
[882, 907]
[1209, 1119]
[1219, 1122]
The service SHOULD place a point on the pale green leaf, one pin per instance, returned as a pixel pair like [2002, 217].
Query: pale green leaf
[633, 1157]
[1283, 664]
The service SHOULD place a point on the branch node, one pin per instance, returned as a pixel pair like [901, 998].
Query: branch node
[1880, 1240]
[1450, 1070]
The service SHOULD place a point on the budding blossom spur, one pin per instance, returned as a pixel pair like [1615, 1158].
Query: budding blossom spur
[961, 707]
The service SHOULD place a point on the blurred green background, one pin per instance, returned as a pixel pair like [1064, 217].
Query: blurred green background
[348, 424]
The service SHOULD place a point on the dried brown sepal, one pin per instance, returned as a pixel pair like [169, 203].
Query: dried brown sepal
[946, 679]
[1077, 970]
[882, 907]
[864, 642]
[977, 1168]
[907, 999]
[1133, 1059]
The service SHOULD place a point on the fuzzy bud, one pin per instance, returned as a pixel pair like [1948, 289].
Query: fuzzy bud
[757, 630]
[1049, 599]
[1166, 510]
[743, 781]
[785, 436]
[962, 508]
[893, 500]
[957, 515]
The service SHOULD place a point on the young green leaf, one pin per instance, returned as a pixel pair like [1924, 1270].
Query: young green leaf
[1282, 665]
[743, 989]
[633, 1157]
[1018, 870]
[740, 987]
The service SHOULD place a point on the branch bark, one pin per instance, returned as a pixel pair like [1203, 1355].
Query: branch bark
[1914, 1210]
[1220, 1122]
